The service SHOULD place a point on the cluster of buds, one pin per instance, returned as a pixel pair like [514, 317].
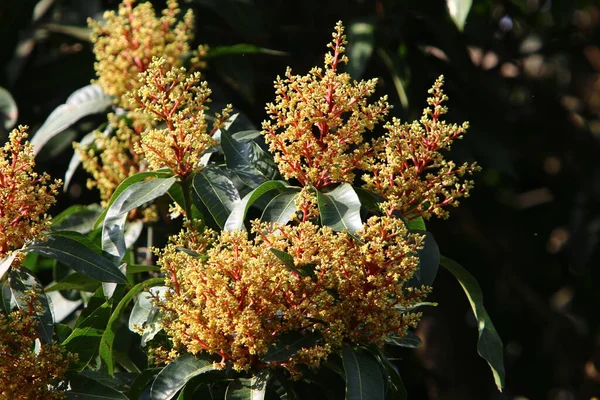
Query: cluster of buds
[29, 369]
[233, 296]
[25, 195]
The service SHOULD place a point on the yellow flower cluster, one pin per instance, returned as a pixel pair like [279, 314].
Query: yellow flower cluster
[236, 296]
[25, 196]
[126, 41]
[177, 100]
[408, 169]
[111, 159]
[29, 371]
[317, 121]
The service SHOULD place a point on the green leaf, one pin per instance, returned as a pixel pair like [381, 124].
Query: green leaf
[250, 163]
[489, 345]
[113, 240]
[289, 344]
[369, 200]
[126, 184]
[141, 384]
[459, 11]
[8, 109]
[85, 101]
[416, 224]
[340, 209]
[85, 338]
[175, 375]
[247, 135]
[76, 159]
[363, 377]
[216, 191]
[75, 281]
[410, 340]
[238, 213]
[145, 315]
[77, 32]
[248, 389]
[77, 251]
[241, 49]
[108, 336]
[77, 218]
[395, 384]
[6, 262]
[84, 388]
[281, 208]
[20, 281]
[361, 35]
[288, 261]
[429, 261]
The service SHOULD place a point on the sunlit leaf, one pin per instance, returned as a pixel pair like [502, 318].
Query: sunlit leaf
[85, 101]
[175, 375]
[281, 208]
[216, 191]
[340, 209]
[459, 11]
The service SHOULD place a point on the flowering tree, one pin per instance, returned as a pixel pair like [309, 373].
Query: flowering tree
[302, 251]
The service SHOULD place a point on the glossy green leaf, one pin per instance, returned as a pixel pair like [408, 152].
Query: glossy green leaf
[241, 49]
[459, 11]
[410, 340]
[238, 213]
[77, 251]
[281, 208]
[8, 109]
[113, 239]
[126, 184]
[288, 261]
[340, 209]
[369, 200]
[145, 315]
[247, 160]
[254, 388]
[416, 224]
[77, 218]
[289, 344]
[85, 338]
[84, 388]
[6, 262]
[361, 35]
[141, 384]
[364, 380]
[489, 345]
[75, 281]
[216, 191]
[429, 261]
[175, 375]
[108, 336]
[85, 101]
[22, 280]
[395, 387]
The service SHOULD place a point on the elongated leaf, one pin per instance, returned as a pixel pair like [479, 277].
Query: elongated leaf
[216, 191]
[459, 11]
[22, 280]
[126, 184]
[140, 385]
[77, 218]
[85, 338]
[281, 209]
[289, 344]
[252, 164]
[77, 251]
[361, 35]
[241, 48]
[363, 376]
[396, 389]
[85, 101]
[145, 315]
[489, 345]
[8, 109]
[340, 209]
[238, 213]
[429, 261]
[248, 389]
[410, 340]
[84, 388]
[75, 281]
[108, 336]
[175, 375]
[76, 159]
[113, 240]
[416, 224]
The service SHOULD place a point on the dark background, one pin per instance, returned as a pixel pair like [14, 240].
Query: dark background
[525, 73]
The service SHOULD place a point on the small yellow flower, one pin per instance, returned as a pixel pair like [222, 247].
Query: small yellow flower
[317, 121]
[25, 196]
[408, 168]
[170, 96]
[26, 372]
[126, 41]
